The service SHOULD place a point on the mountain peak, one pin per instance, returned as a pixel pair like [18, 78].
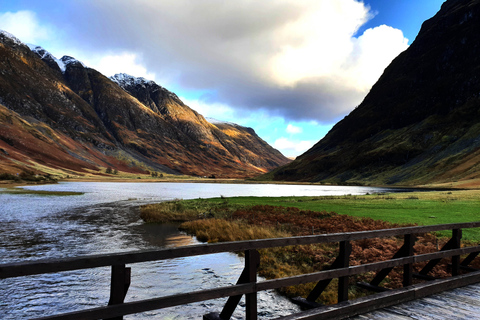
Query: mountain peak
[220, 122]
[67, 60]
[7, 35]
[124, 79]
[127, 82]
[61, 63]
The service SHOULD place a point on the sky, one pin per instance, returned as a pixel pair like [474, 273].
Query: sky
[289, 69]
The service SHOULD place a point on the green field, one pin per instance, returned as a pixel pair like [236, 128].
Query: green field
[422, 208]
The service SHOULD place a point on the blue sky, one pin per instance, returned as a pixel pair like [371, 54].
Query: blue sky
[289, 69]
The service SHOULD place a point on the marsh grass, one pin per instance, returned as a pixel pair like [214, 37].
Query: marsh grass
[40, 192]
[246, 218]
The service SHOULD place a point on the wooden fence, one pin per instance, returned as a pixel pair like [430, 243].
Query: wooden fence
[249, 286]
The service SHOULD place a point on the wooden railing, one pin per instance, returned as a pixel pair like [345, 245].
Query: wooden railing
[247, 284]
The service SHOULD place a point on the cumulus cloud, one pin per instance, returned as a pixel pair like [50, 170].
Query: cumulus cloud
[217, 110]
[292, 147]
[296, 59]
[300, 60]
[293, 129]
[125, 62]
[24, 25]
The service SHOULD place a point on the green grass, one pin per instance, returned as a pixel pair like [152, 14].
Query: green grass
[422, 208]
[40, 192]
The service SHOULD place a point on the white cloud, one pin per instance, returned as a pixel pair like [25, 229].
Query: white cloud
[373, 51]
[296, 59]
[292, 147]
[24, 25]
[125, 62]
[217, 111]
[293, 129]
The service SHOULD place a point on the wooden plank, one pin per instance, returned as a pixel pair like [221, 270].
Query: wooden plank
[354, 270]
[154, 304]
[381, 300]
[322, 285]
[175, 300]
[56, 265]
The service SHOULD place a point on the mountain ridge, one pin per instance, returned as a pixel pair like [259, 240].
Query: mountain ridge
[101, 123]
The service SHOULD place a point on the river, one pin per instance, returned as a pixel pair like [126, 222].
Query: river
[105, 219]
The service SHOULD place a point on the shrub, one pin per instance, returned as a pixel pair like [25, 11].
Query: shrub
[8, 176]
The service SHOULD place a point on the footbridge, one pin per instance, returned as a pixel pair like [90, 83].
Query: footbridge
[425, 285]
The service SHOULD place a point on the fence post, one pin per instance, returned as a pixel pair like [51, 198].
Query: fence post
[344, 255]
[409, 241]
[120, 282]
[252, 261]
[456, 237]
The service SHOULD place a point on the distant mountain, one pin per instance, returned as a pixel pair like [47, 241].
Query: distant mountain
[420, 123]
[57, 114]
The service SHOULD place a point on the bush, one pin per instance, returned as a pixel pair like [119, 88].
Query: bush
[9, 176]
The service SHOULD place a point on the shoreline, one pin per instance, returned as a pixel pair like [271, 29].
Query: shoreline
[460, 185]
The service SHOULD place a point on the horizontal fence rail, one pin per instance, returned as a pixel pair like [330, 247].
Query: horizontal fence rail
[247, 284]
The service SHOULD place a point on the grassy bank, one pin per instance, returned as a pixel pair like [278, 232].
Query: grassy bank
[244, 218]
[422, 208]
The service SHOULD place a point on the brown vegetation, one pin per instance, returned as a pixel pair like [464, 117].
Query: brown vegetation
[229, 223]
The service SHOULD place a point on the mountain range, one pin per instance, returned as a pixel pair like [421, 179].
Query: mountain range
[419, 124]
[58, 116]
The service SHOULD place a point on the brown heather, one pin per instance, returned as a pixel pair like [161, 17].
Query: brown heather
[230, 223]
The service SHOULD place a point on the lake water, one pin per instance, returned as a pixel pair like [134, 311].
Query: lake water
[105, 219]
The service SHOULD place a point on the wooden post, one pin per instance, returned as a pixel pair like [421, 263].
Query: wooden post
[252, 261]
[409, 241]
[120, 282]
[456, 237]
[344, 255]
[249, 274]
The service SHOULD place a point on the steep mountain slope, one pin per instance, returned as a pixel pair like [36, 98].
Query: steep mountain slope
[88, 121]
[420, 121]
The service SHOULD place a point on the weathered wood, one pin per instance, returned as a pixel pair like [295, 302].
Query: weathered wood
[322, 285]
[249, 274]
[10, 270]
[409, 242]
[170, 301]
[344, 255]
[451, 244]
[120, 282]
[121, 279]
[469, 259]
[252, 261]
[354, 270]
[456, 238]
[233, 301]
[380, 300]
[371, 287]
[154, 304]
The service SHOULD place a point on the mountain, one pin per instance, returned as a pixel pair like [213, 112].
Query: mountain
[419, 123]
[57, 114]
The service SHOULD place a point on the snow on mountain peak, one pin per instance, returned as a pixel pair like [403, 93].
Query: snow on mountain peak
[62, 63]
[216, 121]
[11, 37]
[67, 60]
[126, 79]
